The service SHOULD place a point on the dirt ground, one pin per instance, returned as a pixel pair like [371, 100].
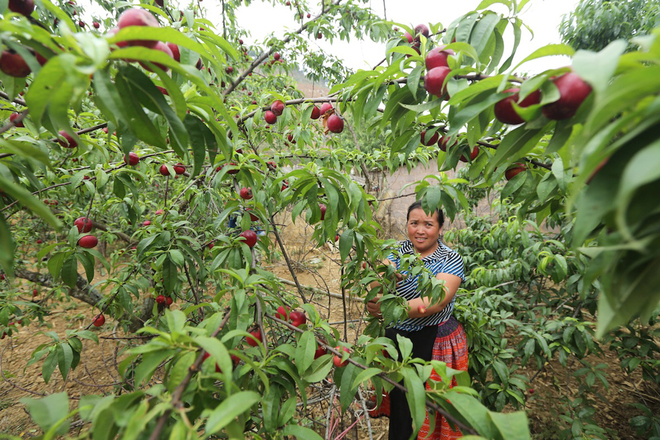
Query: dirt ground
[316, 268]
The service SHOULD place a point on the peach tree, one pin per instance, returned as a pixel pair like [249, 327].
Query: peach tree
[156, 146]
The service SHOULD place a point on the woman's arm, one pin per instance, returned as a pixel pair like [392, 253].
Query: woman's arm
[452, 282]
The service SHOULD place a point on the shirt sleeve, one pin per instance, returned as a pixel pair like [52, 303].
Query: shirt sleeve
[454, 265]
[394, 259]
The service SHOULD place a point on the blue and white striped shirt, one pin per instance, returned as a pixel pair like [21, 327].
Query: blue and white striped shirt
[442, 260]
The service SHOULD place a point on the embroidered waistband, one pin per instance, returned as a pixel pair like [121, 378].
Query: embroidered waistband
[448, 327]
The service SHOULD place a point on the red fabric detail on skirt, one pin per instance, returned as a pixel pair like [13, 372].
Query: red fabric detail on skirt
[383, 409]
[452, 350]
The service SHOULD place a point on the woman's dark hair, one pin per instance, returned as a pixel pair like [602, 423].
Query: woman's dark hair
[418, 204]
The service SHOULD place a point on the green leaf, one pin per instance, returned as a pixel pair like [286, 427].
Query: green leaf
[155, 101]
[30, 202]
[49, 411]
[49, 365]
[150, 362]
[346, 243]
[201, 140]
[483, 30]
[70, 271]
[347, 393]
[218, 351]
[413, 79]
[515, 145]
[64, 358]
[319, 369]
[24, 149]
[416, 397]
[6, 248]
[365, 375]
[305, 351]
[138, 121]
[301, 433]
[548, 50]
[598, 68]
[639, 171]
[270, 405]
[169, 275]
[473, 411]
[514, 425]
[486, 3]
[180, 370]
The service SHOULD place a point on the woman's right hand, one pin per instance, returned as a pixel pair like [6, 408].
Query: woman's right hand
[373, 307]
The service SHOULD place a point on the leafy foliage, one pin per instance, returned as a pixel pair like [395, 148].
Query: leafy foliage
[173, 225]
[596, 23]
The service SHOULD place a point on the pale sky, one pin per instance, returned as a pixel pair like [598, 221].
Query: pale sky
[542, 16]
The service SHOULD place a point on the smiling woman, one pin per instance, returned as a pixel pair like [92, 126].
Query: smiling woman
[432, 329]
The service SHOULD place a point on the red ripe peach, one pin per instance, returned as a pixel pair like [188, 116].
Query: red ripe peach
[432, 140]
[83, 224]
[179, 168]
[15, 116]
[504, 110]
[256, 336]
[335, 124]
[282, 313]
[270, 117]
[176, 54]
[320, 351]
[250, 237]
[442, 143]
[277, 107]
[245, 193]
[253, 217]
[422, 29]
[514, 170]
[337, 359]
[68, 141]
[138, 17]
[99, 321]
[325, 107]
[297, 318]
[13, 64]
[572, 92]
[88, 241]
[434, 81]
[24, 7]
[473, 155]
[316, 113]
[132, 159]
[163, 48]
[437, 57]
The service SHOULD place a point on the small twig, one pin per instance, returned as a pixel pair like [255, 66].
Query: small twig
[287, 259]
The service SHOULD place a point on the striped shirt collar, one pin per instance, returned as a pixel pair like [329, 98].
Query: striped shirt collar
[407, 248]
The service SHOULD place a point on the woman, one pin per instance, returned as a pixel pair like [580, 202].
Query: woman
[434, 332]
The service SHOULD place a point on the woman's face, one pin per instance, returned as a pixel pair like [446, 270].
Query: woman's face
[423, 231]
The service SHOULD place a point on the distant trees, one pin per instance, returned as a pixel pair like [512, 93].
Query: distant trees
[595, 23]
